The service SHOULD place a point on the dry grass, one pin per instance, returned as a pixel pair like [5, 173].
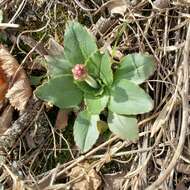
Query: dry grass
[160, 158]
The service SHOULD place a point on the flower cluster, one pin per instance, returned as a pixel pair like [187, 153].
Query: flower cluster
[79, 72]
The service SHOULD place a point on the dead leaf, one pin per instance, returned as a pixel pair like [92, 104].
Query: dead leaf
[30, 140]
[3, 84]
[19, 90]
[181, 186]
[5, 119]
[180, 167]
[161, 4]
[39, 47]
[117, 7]
[114, 181]
[39, 2]
[61, 120]
[187, 2]
[55, 48]
[183, 168]
[102, 126]
[19, 94]
[115, 53]
[89, 180]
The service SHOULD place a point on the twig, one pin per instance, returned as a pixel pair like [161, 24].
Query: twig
[39, 48]
[124, 153]
[62, 169]
[83, 157]
[19, 10]
[30, 31]
[8, 25]
[82, 6]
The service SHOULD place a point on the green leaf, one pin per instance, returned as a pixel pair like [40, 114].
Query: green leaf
[87, 89]
[136, 67]
[3, 37]
[128, 98]
[60, 91]
[124, 126]
[96, 104]
[85, 130]
[79, 44]
[93, 64]
[36, 80]
[106, 73]
[102, 126]
[57, 65]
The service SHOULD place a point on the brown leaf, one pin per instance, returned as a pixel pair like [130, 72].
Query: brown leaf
[3, 84]
[183, 168]
[114, 181]
[55, 48]
[5, 119]
[90, 180]
[186, 2]
[61, 120]
[161, 4]
[19, 90]
[181, 186]
[117, 7]
[39, 47]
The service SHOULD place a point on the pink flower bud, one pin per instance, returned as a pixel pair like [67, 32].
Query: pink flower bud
[79, 72]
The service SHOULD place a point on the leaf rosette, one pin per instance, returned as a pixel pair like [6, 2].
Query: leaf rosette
[83, 74]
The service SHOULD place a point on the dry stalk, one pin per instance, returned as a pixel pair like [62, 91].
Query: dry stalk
[185, 115]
